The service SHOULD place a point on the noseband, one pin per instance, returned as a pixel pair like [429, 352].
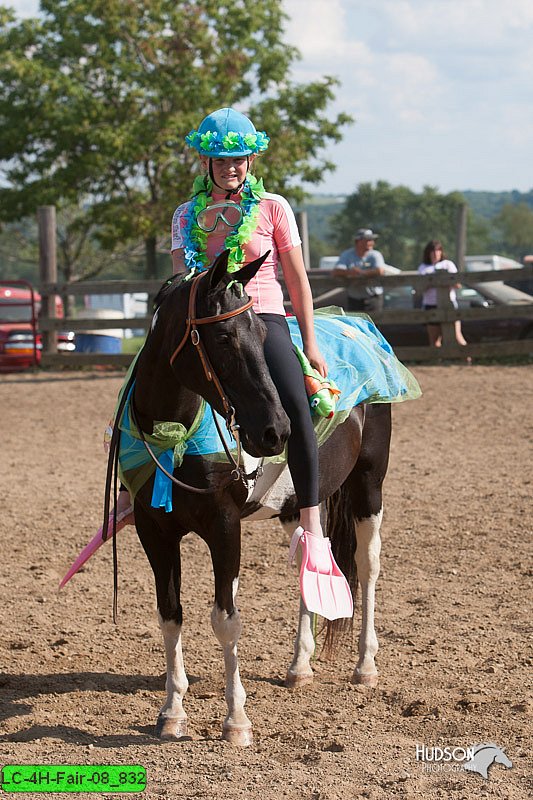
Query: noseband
[191, 331]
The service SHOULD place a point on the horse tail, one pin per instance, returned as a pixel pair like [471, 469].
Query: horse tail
[340, 527]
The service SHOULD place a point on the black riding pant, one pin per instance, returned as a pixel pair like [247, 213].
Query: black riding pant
[287, 375]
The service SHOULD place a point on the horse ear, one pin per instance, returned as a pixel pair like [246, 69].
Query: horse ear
[219, 270]
[249, 271]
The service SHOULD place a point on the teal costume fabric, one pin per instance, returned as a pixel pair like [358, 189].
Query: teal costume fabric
[360, 361]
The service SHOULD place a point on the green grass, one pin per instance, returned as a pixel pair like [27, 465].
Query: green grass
[132, 345]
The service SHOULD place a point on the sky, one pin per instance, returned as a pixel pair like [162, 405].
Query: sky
[441, 90]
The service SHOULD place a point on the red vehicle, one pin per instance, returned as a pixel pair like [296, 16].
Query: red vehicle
[20, 340]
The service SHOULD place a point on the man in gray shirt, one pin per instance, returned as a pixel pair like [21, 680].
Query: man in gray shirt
[362, 259]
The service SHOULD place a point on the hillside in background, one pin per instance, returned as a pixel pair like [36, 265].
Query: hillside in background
[320, 208]
[484, 205]
[488, 204]
[19, 241]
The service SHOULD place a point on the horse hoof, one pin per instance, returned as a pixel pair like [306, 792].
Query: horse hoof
[365, 680]
[296, 681]
[239, 736]
[167, 728]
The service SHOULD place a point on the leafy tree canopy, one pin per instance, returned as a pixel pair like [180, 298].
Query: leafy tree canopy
[515, 223]
[97, 95]
[404, 219]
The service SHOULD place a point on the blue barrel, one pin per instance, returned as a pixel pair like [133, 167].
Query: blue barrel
[97, 343]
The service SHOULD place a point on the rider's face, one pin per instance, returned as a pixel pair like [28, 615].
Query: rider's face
[228, 172]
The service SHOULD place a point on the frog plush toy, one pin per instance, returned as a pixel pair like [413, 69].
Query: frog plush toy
[322, 392]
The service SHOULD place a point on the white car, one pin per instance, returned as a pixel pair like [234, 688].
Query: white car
[484, 263]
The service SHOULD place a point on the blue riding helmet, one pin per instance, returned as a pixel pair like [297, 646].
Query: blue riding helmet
[227, 132]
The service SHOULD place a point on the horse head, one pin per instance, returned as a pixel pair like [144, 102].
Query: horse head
[484, 756]
[231, 370]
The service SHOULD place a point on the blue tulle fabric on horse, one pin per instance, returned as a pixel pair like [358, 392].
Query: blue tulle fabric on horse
[360, 361]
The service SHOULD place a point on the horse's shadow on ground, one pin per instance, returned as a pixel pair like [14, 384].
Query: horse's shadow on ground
[17, 689]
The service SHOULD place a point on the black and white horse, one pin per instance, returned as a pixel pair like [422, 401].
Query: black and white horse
[206, 342]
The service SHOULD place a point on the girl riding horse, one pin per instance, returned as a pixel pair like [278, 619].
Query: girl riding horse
[230, 210]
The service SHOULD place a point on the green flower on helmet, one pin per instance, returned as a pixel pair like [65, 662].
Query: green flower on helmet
[229, 133]
[231, 141]
[210, 141]
[192, 138]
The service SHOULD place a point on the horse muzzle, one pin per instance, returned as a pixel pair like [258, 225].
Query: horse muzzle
[268, 440]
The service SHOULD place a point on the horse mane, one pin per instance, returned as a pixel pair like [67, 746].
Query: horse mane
[168, 288]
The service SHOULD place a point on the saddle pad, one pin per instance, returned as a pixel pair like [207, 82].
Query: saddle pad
[360, 361]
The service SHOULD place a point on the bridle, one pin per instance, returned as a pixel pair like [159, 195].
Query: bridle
[192, 333]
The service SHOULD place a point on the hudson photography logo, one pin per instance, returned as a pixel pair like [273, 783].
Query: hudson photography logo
[477, 758]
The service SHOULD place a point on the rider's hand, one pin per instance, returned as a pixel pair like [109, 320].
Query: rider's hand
[316, 359]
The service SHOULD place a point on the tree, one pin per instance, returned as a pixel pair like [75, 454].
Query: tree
[405, 220]
[516, 226]
[97, 97]
[79, 256]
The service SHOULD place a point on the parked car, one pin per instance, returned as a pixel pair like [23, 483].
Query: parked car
[20, 340]
[488, 262]
[481, 295]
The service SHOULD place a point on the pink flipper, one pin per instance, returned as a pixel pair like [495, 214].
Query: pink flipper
[96, 542]
[324, 588]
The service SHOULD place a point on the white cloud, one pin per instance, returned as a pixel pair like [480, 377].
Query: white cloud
[441, 89]
[315, 25]
[24, 8]
[453, 22]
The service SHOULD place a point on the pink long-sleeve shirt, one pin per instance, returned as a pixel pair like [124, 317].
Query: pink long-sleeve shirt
[276, 231]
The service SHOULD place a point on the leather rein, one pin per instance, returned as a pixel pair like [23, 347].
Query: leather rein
[192, 333]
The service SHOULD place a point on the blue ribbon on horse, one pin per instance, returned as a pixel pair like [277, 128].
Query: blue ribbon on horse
[162, 491]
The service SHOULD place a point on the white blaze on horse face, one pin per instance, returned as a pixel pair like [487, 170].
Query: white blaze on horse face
[154, 319]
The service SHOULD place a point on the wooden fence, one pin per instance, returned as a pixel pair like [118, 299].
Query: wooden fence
[327, 290]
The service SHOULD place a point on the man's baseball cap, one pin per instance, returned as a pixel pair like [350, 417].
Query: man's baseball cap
[365, 233]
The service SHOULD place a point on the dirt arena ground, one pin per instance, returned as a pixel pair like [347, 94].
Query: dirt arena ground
[453, 612]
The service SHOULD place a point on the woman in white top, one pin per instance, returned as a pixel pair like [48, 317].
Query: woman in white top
[434, 260]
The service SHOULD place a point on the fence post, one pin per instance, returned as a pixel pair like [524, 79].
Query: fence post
[301, 218]
[460, 242]
[46, 217]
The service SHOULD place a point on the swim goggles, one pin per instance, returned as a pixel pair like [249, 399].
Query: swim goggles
[229, 213]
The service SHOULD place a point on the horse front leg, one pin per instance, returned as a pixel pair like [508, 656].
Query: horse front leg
[172, 719]
[164, 557]
[367, 560]
[226, 623]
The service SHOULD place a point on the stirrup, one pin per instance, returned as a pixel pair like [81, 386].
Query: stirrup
[97, 541]
[323, 587]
